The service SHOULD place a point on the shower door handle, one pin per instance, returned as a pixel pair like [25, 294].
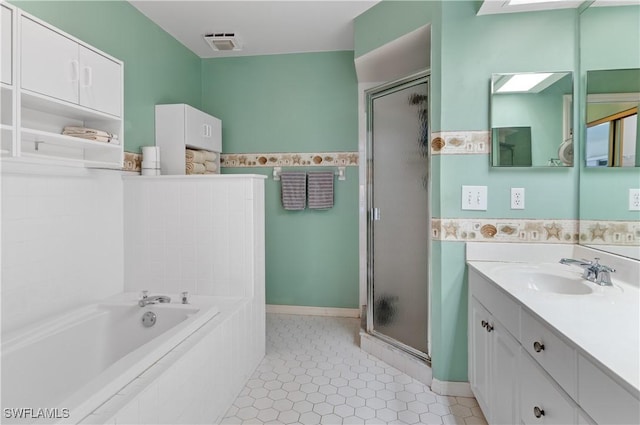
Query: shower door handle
[375, 214]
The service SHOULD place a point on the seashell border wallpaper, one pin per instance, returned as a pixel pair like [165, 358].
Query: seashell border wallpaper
[132, 162]
[619, 233]
[460, 142]
[290, 159]
[504, 230]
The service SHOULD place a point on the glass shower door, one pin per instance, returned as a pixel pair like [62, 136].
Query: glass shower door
[399, 223]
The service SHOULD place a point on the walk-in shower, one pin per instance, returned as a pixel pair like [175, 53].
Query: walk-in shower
[398, 231]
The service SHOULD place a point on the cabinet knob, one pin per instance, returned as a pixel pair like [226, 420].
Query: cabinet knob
[538, 346]
[484, 323]
[489, 328]
[538, 412]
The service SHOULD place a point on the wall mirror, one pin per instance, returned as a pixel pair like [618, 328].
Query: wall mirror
[609, 85]
[531, 119]
[612, 126]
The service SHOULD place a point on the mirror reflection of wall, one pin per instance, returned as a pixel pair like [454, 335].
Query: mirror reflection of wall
[531, 119]
[610, 64]
[613, 97]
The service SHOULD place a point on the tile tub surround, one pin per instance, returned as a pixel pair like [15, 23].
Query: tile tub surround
[197, 381]
[314, 372]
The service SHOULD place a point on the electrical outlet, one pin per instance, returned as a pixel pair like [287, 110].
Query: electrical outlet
[474, 198]
[634, 199]
[517, 198]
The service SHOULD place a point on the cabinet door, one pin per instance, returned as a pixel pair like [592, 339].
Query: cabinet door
[213, 133]
[479, 354]
[100, 82]
[6, 40]
[541, 400]
[505, 376]
[49, 62]
[196, 128]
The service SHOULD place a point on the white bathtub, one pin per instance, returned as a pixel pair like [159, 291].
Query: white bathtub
[79, 360]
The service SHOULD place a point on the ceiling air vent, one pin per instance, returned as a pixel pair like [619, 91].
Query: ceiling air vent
[223, 41]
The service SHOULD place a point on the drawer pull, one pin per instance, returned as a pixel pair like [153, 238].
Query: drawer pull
[538, 412]
[537, 346]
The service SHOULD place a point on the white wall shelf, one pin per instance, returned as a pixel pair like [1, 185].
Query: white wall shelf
[39, 136]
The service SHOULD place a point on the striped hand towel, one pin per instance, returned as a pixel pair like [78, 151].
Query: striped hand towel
[320, 187]
[294, 190]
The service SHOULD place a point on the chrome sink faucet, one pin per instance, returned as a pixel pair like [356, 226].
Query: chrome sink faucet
[145, 299]
[593, 270]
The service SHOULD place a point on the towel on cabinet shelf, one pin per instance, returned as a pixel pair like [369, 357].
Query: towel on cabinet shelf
[320, 190]
[209, 156]
[195, 168]
[210, 166]
[91, 134]
[193, 156]
[293, 188]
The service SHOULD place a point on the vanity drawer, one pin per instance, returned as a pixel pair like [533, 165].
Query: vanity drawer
[606, 401]
[551, 352]
[541, 400]
[501, 306]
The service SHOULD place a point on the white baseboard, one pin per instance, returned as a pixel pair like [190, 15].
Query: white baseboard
[458, 389]
[313, 311]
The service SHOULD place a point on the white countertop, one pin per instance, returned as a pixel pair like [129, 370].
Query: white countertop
[604, 324]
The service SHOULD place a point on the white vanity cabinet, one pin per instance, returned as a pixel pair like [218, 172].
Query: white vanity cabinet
[493, 365]
[180, 126]
[522, 370]
[57, 66]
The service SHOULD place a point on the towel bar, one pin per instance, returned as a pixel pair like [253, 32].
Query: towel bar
[341, 172]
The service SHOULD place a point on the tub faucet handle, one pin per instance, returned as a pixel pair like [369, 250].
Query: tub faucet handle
[185, 297]
[144, 294]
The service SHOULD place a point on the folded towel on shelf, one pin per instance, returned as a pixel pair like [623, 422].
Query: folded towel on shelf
[210, 156]
[195, 168]
[195, 156]
[211, 166]
[91, 134]
[293, 190]
[320, 189]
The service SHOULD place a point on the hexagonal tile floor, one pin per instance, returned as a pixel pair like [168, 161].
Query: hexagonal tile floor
[315, 373]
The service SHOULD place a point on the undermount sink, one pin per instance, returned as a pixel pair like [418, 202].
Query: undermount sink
[537, 279]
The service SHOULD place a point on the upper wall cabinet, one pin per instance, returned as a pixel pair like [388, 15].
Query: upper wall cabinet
[6, 39]
[52, 81]
[57, 66]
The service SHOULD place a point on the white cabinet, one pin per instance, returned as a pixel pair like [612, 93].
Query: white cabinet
[7, 78]
[528, 373]
[6, 44]
[59, 81]
[100, 80]
[180, 126]
[542, 400]
[493, 365]
[57, 66]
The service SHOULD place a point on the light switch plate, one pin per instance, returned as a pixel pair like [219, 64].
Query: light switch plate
[474, 198]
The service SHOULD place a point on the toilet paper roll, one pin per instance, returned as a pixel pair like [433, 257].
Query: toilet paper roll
[151, 153]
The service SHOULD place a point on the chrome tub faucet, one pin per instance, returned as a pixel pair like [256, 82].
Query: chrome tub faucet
[593, 270]
[145, 299]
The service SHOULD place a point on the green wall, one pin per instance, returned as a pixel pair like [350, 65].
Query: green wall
[466, 49]
[295, 103]
[607, 46]
[157, 68]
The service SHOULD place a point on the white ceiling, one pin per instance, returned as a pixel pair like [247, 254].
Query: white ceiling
[491, 7]
[265, 27]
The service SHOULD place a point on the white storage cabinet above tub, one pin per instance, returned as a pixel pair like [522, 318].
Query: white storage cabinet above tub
[55, 81]
[180, 126]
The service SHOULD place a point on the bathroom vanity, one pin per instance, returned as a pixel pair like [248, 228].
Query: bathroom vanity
[547, 346]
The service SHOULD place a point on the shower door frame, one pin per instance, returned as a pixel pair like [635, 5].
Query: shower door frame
[372, 94]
